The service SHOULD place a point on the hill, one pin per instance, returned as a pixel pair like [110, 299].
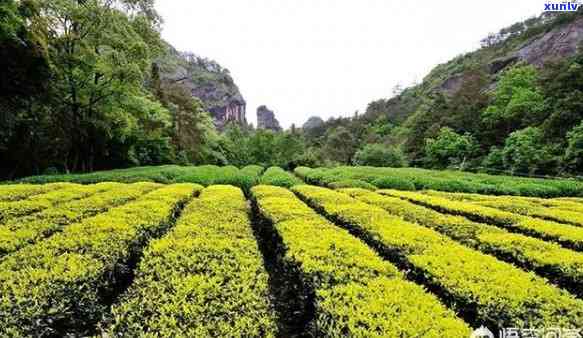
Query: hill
[208, 81]
[512, 106]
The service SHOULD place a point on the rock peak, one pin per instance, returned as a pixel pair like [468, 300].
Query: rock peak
[266, 119]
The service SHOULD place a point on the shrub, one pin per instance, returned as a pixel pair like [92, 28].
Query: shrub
[550, 260]
[452, 181]
[567, 235]
[355, 290]
[449, 149]
[204, 278]
[352, 184]
[24, 231]
[393, 183]
[454, 269]
[60, 285]
[15, 192]
[524, 151]
[379, 155]
[279, 177]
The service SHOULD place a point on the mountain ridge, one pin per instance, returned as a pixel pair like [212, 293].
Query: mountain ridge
[208, 81]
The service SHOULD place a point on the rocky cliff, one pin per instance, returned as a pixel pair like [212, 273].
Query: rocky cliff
[266, 119]
[208, 81]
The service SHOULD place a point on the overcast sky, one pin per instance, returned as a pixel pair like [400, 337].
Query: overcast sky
[331, 57]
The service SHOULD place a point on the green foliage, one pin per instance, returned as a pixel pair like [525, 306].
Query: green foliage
[393, 183]
[279, 177]
[11, 23]
[59, 285]
[209, 258]
[379, 155]
[494, 161]
[356, 292]
[91, 108]
[340, 145]
[569, 236]
[264, 147]
[352, 184]
[547, 259]
[453, 267]
[518, 101]
[563, 88]
[525, 152]
[574, 153]
[449, 148]
[204, 175]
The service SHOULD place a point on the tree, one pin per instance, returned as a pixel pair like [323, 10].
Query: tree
[380, 155]
[425, 123]
[192, 128]
[468, 102]
[101, 52]
[573, 159]
[494, 161]
[525, 152]
[340, 145]
[236, 145]
[517, 103]
[314, 128]
[562, 84]
[289, 147]
[449, 148]
[263, 147]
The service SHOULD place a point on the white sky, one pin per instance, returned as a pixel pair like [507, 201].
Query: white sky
[331, 57]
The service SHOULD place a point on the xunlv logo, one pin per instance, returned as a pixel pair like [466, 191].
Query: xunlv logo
[561, 7]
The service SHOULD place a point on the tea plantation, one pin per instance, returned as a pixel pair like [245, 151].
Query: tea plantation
[225, 252]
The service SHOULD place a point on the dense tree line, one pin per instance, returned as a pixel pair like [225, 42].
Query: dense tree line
[529, 123]
[81, 91]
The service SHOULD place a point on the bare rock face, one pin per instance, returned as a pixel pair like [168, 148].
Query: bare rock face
[313, 122]
[502, 63]
[452, 85]
[208, 81]
[266, 119]
[556, 44]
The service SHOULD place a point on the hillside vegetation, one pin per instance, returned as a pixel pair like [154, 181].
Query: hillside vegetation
[90, 85]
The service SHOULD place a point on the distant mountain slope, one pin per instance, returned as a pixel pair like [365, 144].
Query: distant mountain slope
[208, 81]
[536, 41]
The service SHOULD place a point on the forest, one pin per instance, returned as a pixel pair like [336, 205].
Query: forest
[81, 91]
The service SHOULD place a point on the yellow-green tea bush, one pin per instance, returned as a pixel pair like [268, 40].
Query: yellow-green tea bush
[357, 294]
[14, 209]
[57, 287]
[15, 192]
[522, 204]
[567, 235]
[23, 231]
[203, 279]
[528, 209]
[550, 260]
[494, 292]
[561, 211]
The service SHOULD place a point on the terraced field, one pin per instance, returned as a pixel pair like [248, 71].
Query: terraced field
[293, 260]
